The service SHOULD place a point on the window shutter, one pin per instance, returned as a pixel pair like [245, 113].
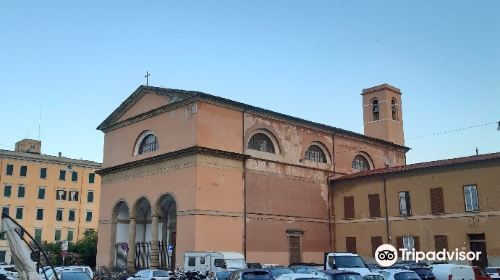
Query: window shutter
[408, 203]
[437, 200]
[349, 207]
[399, 243]
[376, 241]
[374, 204]
[416, 243]
[440, 242]
[350, 244]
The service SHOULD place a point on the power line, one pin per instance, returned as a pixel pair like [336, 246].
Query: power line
[452, 130]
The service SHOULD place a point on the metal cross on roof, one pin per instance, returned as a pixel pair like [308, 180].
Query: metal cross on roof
[147, 77]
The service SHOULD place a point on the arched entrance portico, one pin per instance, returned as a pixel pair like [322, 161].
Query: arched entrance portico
[166, 212]
[120, 232]
[143, 233]
[147, 233]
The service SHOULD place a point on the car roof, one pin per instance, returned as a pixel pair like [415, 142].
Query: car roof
[344, 254]
[396, 270]
[335, 271]
[300, 275]
[252, 270]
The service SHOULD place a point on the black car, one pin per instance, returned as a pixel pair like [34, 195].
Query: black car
[423, 272]
[342, 275]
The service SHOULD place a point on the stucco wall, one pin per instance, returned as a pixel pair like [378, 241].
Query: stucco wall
[455, 223]
[175, 130]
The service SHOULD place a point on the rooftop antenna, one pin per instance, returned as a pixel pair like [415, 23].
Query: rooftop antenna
[147, 78]
[40, 123]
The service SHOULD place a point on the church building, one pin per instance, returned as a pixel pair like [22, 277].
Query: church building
[189, 171]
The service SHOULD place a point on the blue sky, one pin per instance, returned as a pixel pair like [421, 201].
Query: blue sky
[74, 62]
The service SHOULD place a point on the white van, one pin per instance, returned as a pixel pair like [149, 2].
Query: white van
[452, 272]
[204, 262]
[346, 261]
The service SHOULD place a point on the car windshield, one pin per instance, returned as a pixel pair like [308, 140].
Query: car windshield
[406, 276]
[222, 275]
[160, 273]
[312, 278]
[256, 275]
[275, 272]
[75, 276]
[49, 272]
[345, 276]
[423, 272]
[492, 270]
[373, 277]
[306, 270]
[236, 263]
[349, 261]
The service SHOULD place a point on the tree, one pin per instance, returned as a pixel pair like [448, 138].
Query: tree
[82, 252]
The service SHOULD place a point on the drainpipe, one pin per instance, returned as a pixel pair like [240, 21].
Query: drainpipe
[386, 213]
[331, 225]
[244, 185]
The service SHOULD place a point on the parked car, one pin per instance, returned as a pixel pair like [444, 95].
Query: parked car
[222, 275]
[480, 274]
[422, 271]
[73, 275]
[278, 270]
[301, 276]
[399, 274]
[373, 276]
[150, 274]
[83, 268]
[207, 261]
[452, 272]
[9, 270]
[304, 269]
[254, 265]
[5, 277]
[250, 274]
[342, 275]
[493, 272]
[346, 261]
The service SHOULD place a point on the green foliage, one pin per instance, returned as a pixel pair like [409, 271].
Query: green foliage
[82, 252]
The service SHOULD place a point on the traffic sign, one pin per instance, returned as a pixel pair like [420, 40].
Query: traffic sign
[124, 246]
[64, 245]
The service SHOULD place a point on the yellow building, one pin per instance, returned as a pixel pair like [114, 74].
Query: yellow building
[55, 198]
[429, 206]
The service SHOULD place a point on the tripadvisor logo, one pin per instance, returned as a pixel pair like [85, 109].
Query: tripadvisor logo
[387, 255]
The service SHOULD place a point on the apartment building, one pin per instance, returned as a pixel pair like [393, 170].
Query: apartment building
[54, 197]
[446, 204]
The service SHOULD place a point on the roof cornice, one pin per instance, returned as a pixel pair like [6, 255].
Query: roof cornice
[194, 150]
[193, 96]
[48, 158]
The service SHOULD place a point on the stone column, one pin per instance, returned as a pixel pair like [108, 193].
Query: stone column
[131, 246]
[155, 261]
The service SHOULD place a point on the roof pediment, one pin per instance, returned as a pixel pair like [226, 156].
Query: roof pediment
[142, 100]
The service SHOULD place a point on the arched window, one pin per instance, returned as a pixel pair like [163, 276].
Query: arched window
[360, 163]
[315, 153]
[148, 144]
[261, 142]
[375, 110]
[394, 109]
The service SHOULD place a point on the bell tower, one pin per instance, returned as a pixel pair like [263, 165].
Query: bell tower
[383, 114]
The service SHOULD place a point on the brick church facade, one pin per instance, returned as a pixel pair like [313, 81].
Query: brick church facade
[201, 172]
